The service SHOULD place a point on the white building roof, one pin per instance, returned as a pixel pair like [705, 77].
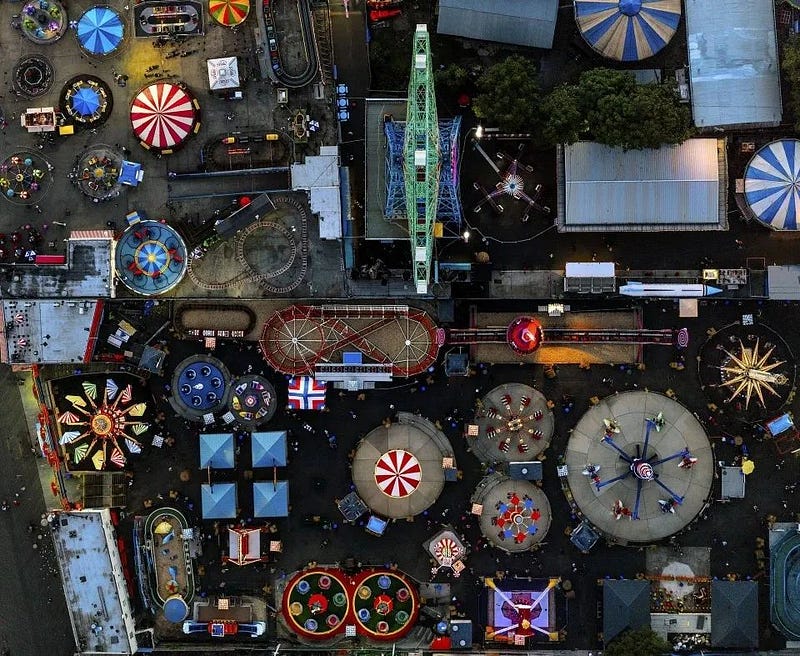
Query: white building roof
[733, 62]
[673, 188]
[94, 583]
[223, 73]
[319, 176]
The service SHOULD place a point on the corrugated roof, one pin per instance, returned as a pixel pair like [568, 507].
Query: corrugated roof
[521, 22]
[783, 283]
[734, 614]
[733, 62]
[672, 188]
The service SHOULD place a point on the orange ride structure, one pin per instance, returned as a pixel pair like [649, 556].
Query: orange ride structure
[320, 603]
[403, 341]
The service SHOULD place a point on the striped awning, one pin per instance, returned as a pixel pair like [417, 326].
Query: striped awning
[627, 30]
[771, 181]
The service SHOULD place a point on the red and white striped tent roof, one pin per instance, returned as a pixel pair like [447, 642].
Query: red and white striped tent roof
[163, 115]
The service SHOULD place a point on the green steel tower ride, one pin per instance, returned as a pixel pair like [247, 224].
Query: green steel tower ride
[421, 159]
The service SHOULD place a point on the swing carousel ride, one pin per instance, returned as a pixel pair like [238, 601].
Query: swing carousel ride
[99, 434]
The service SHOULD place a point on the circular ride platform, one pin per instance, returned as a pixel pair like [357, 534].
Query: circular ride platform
[749, 369]
[25, 177]
[253, 400]
[200, 385]
[97, 172]
[86, 101]
[640, 466]
[43, 21]
[514, 424]
[516, 514]
[398, 470]
[33, 75]
[150, 258]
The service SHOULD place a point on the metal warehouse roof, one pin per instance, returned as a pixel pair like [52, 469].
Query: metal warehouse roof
[521, 22]
[733, 62]
[673, 188]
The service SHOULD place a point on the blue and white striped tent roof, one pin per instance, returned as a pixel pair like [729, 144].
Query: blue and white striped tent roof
[627, 30]
[772, 182]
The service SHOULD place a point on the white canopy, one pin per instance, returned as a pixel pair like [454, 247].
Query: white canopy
[223, 73]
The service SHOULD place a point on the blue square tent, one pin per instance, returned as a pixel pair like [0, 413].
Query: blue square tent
[216, 450]
[269, 449]
[271, 499]
[131, 173]
[219, 501]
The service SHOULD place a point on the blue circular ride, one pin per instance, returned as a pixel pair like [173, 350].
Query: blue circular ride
[772, 184]
[201, 385]
[150, 258]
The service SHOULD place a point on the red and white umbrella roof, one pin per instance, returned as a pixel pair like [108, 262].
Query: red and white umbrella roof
[398, 473]
[163, 115]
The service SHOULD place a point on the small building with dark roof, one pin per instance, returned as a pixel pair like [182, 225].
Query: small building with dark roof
[520, 22]
[626, 605]
[734, 614]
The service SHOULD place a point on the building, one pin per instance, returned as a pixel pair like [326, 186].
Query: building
[626, 605]
[733, 62]
[319, 176]
[605, 189]
[94, 582]
[734, 614]
[520, 22]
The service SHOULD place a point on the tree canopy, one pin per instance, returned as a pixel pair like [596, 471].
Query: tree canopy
[609, 107]
[639, 642]
[790, 63]
[508, 96]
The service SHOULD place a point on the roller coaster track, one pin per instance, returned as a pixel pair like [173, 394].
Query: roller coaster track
[565, 336]
[263, 279]
[306, 15]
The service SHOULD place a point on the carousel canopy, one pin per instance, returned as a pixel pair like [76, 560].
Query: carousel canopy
[271, 499]
[627, 30]
[216, 450]
[163, 115]
[85, 101]
[219, 500]
[771, 182]
[229, 12]
[269, 449]
[100, 30]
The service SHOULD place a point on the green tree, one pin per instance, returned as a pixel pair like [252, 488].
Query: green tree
[641, 642]
[790, 63]
[451, 78]
[609, 107]
[508, 96]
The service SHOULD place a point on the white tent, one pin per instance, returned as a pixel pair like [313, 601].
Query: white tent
[223, 73]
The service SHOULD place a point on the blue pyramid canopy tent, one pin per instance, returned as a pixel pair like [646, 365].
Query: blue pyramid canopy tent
[627, 30]
[219, 500]
[271, 499]
[269, 449]
[131, 173]
[100, 30]
[85, 101]
[216, 449]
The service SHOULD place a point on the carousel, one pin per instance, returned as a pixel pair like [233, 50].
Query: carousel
[399, 468]
[512, 423]
[639, 467]
[33, 75]
[150, 258]
[104, 425]
[229, 13]
[749, 369]
[253, 400]
[200, 386]
[164, 115]
[96, 172]
[25, 177]
[513, 515]
[43, 21]
[86, 101]
[100, 31]
[321, 603]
